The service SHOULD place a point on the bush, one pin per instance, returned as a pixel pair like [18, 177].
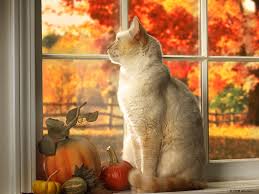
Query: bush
[49, 40]
[231, 99]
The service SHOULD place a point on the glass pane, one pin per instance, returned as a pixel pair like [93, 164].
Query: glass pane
[78, 26]
[188, 72]
[69, 83]
[233, 110]
[173, 23]
[233, 27]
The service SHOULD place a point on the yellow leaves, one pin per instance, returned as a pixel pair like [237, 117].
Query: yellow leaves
[243, 132]
[65, 80]
[222, 8]
[237, 74]
[228, 45]
[250, 83]
[192, 6]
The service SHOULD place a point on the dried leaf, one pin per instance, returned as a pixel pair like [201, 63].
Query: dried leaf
[71, 115]
[56, 128]
[91, 117]
[54, 124]
[47, 146]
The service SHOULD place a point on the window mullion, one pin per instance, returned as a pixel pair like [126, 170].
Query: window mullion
[76, 56]
[234, 58]
[204, 69]
[124, 9]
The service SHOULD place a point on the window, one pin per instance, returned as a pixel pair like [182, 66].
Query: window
[211, 46]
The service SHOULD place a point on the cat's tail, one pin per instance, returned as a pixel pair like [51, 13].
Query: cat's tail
[144, 184]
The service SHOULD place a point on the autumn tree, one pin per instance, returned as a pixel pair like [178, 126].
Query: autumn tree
[176, 25]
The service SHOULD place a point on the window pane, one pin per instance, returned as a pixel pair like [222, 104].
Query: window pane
[81, 26]
[233, 27]
[68, 83]
[173, 23]
[233, 110]
[188, 72]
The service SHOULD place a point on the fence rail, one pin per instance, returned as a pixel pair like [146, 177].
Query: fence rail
[227, 118]
[60, 109]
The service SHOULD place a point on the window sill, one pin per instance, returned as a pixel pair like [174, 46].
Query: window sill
[233, 187]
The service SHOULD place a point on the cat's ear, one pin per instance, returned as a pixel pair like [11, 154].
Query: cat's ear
[137, 31]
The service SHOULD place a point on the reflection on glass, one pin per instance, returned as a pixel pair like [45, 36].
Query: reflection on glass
[233, 110]
[80, 26]
[173, 23]
[233, 27]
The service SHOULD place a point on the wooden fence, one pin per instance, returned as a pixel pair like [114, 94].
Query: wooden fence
[227, 118]
[56, 110]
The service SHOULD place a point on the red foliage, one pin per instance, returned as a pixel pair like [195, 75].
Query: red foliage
[229, 30]
[104, 11]
[180, 69]
[177, 30]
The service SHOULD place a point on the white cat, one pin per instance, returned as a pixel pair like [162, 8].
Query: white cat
[163, 137]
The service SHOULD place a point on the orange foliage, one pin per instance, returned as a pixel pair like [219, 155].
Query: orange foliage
[63, 80]
[229, 73]
[174, 23]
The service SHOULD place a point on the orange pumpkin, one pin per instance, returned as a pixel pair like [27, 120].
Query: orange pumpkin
[71, 152]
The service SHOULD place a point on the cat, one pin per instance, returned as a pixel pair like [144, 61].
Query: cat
[163, 133]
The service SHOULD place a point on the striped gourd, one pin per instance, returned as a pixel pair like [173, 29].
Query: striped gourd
[75, 185]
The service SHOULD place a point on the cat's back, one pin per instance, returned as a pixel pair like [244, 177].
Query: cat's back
[183, 110]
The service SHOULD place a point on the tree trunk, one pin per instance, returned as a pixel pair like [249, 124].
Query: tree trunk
[253, 106]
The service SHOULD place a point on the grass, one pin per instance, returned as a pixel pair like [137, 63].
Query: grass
[226, 142]
[233, 142]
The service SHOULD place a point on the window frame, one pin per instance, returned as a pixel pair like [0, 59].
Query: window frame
[29, 88]
[216, 169]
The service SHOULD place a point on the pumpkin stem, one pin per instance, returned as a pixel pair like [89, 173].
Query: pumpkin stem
[82, 104]
[112, 155]
[56, 171]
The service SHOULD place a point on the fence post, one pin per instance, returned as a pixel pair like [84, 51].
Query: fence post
[216, 118]
[110, 105]
[232, 118]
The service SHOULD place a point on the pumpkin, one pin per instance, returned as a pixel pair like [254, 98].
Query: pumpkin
[46, 187]
[71, 152]
[115, 175]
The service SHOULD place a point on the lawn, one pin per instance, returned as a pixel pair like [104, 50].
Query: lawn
[227, 142]
[233, 142]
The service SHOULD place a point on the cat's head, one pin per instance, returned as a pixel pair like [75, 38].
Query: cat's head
[128, 43]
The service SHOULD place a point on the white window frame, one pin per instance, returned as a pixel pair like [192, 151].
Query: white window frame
[26, 30]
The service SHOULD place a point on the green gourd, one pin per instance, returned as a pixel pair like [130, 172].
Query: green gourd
[75, 185]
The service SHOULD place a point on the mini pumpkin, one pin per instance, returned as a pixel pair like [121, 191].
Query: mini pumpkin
[115, 175]
[46, 187]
